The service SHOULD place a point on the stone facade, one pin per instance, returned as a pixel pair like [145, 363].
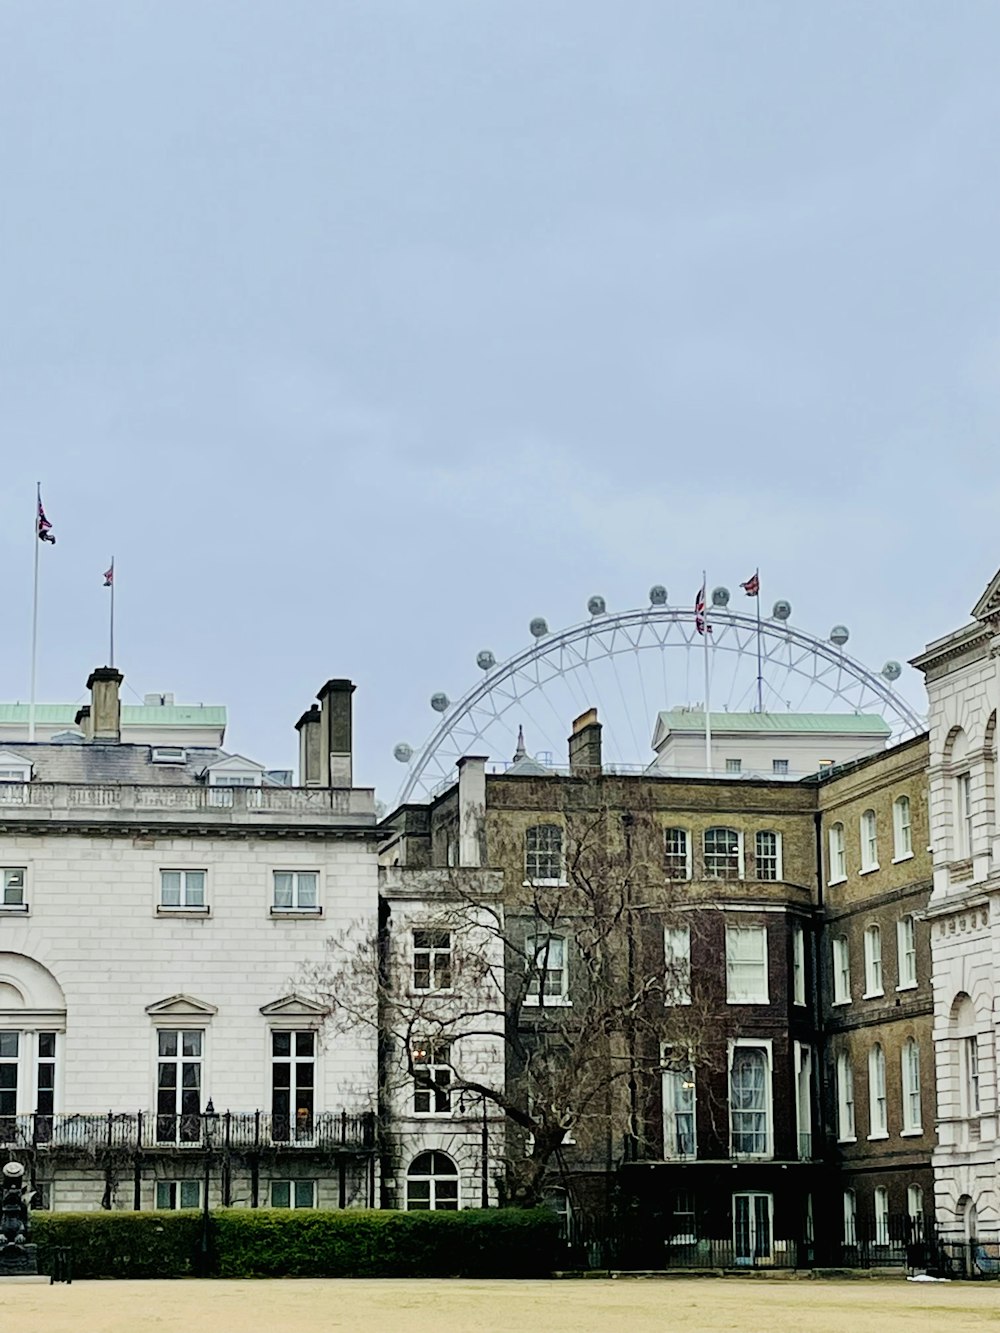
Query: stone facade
[961, 673]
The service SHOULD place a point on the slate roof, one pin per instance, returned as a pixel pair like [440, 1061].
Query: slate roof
[102, 764]
[850, 724]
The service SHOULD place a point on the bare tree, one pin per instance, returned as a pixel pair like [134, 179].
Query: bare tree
[552, 1000]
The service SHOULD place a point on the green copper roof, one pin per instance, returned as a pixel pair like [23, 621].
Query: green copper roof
[868, 724]
[160, 715]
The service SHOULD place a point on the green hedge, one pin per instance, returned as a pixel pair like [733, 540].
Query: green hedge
[304, 1243]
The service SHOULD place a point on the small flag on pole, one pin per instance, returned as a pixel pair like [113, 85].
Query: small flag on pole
[44, 526]
[699, 613]
[109, 576]
[752, 585]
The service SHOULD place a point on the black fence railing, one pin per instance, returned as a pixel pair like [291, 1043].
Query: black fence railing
[979, 1258]
[238, 1130]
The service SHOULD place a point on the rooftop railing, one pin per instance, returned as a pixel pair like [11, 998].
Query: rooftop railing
[129, 801]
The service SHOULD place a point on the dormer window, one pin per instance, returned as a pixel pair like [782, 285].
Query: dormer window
[15, 774]
[168, 754]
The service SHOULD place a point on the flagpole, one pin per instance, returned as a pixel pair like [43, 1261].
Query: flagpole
[708, 704]
[34, 617]
[760, 668]
[111, 659]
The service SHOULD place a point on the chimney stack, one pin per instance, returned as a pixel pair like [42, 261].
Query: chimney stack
[336, 734]
[105, 706]
[472, 810]
[82, 720]
[585, 745]
[310, 729]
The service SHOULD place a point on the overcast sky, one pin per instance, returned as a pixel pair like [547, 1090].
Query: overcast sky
[361, 333]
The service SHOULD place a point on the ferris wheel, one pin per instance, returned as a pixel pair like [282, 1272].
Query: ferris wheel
[630, 665]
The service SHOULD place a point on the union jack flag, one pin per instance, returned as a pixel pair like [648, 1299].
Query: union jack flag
[700, 622]
[109, 575]
[752, 585]
[44, 526]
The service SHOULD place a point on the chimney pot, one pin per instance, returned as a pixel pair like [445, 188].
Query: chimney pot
[105, 705]
[310, 729]
[585, 745]
[336, 733]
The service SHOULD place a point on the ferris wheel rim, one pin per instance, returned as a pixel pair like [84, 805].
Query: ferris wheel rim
[556, 640]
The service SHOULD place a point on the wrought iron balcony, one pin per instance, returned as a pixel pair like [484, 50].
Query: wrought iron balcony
[238, 1131]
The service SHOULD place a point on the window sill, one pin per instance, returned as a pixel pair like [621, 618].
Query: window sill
[433, 1115]
[545, 884]
[14, 909]
[898, 860]
[868, 870]
[852, 1139]
[418, 993]
[800, 1004]
[182, 911]
[917, 1133]
[878, 1138]
[550, 1002]
[840, 879]
[752, 1000]
[874, 995]
[907, 985]
[304, 913]
[840, 1004]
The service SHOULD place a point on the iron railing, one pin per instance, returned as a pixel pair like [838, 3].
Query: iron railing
[145, 1130]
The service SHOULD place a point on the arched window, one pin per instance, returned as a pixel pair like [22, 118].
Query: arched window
[906, 952]
[845, 1098]
[915, 1210]
[902, 833]
[841, 970]
[723, 859]
[543, 854]
[557, 1198]
[432, 1183]
[967, 1212]
[873, 961]
[878, 1118]
[966, 1038]
[957, 751]
[869, 841]
[838, 855]
[910, 1069]
[850, 1218]
[881, 1215]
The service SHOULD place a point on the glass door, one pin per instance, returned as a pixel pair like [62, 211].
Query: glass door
[752, 1228]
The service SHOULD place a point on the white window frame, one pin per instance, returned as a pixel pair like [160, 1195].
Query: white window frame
[438, 956]
[902, 829]
[881, 1207]
[803, 1061]
[14, 890]
[909, 1063]
[878, 1105]
[432, 1178]
[547, 960]
[764, 1045]
[915, 1207]
[680, 1099]
[437, 1063]
[676, 965]
[846, 1125]
[186, 894]
[178, 1188]
[292, 1185]
[540, 857]
[873, 961]
[770, 859]
[868, 829]
[739, 865]
[963, 816]
[906, 952]
[301, 1129]
[779, 768]
[798, 963]
[673, 855]
[182, 1026]
[738, 991]
[28, 1061]
[734, 766]
[841, 963]
[297, 906]
[850, 1218]
[837, 854]
[971, 1078]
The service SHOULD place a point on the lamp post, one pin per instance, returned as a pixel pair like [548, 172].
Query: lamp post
[209, 1118]
[484, 1196]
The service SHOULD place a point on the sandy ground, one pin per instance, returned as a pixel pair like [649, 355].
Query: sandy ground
[698, 1305]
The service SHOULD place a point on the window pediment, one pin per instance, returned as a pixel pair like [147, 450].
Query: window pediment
[293, 1006]
[181, 1006]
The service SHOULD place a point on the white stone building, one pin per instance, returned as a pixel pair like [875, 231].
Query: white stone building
[763, 745]
[158, 901]
[963, 687]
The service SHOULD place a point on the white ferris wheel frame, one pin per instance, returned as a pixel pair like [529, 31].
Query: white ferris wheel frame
[555, 655]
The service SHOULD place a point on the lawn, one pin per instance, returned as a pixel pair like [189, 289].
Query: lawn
[694, 1305]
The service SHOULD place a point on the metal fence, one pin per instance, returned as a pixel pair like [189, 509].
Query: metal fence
[147, 1131]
